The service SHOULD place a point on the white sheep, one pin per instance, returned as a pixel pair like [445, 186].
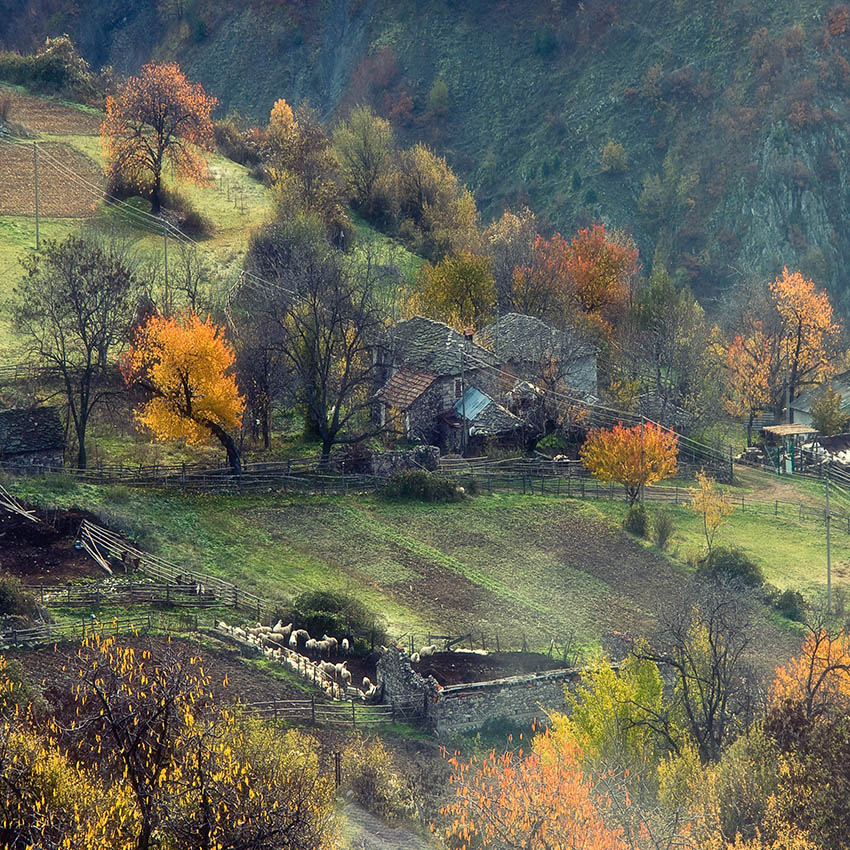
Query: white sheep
[345, 645]
[324, 647]
[345, 676]
[332, 641]
[415, 658]
[427, 651]
[293, 640]
[367, 683]
[311, 645]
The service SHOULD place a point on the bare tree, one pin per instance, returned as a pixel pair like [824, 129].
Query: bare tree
[702, 639]
[325, 326]
[73, 311]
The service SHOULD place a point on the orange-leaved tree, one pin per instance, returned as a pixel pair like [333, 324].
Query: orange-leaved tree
[537, 800]
[184, 363]
[590, 277]
[747, 360]
[808, 331]
[633, 457]
[158, 118]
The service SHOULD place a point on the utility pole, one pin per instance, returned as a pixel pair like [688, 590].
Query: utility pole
[642, 486]
[462, 401]
[35, 172]
[828, 553]
[165, 246]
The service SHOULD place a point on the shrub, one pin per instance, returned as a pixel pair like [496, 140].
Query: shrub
[196, 224]
[545, 41]
[232, 143]
[14, 599]
[590, 197]
[792, 605]
[615, 160]
[662, 528]
[422, 486]
[730, 565]
[438, 97]
[370, 775]
[338, 614]
[5, 106]
[637, 521]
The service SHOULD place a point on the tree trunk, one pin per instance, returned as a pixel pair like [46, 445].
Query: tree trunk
[145, 833]
[327, 445]
[82, 457]
[750, 429]
[233, 457]
[156, 203]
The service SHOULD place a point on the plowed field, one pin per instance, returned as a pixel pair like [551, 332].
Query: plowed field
[59, 194]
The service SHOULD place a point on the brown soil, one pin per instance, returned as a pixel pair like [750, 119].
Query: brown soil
[231, 677]
[47, 116]
[456, 668]
[59, 195]
[44, 554]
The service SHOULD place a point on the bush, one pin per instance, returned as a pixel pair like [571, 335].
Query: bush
[233, 143]
[730, 565]
[195, 224]
[370, 775]
[792, 605]
[5, 106]
[615, 160]
[337, 614]
[662, 528]
[637, 521]
[422, 486]
[14, 599]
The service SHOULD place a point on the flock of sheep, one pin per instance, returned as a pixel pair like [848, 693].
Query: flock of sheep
[284, 644]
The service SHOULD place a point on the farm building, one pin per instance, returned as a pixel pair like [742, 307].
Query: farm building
[424, 372]
[801, 407]
[31, 437]
[532, 350]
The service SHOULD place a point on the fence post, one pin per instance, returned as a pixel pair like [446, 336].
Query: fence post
[776, 508]
[313, 710]
[353, 716]
[338, 768]
[275, 709]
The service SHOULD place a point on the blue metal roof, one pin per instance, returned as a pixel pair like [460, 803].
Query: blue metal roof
[472, 403]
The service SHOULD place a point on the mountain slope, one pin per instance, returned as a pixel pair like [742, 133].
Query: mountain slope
[730, 115]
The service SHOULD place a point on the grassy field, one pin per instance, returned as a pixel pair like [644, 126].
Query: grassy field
[532, 567]
[232, 200]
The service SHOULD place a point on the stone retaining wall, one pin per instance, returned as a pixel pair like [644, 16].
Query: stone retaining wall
[461, 708]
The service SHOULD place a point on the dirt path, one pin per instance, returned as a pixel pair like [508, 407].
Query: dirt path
[364, 831]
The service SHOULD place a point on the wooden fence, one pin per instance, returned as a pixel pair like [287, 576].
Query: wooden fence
[111, 545]
[124, 593]
[321, 713]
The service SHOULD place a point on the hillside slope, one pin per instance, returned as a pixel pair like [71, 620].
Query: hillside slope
[731, 115]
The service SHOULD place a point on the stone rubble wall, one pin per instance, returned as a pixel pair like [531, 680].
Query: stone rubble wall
[461, 708]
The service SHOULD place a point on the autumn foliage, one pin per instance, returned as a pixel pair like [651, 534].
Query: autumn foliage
[537, 800]
[633, 457]
[185, 363]
[158, 118]
[589, 277]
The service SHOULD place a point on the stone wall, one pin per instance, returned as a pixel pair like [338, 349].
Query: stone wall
[421, 457]
[26, 461]
[461, 708]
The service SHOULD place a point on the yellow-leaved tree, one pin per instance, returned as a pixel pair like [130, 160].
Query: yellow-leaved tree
[184, 363]
[712, 504]
[633, 457]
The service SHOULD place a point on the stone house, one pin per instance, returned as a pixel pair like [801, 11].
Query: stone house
[31, 437]
[531, 350]
[424, 372]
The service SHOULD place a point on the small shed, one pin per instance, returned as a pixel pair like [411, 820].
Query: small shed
[31, 437]
[782, 446]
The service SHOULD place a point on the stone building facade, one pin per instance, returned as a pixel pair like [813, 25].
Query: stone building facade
[31, 437]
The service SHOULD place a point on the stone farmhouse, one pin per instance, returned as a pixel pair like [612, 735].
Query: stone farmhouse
[533, 351]
[31, 437]
[444, 388]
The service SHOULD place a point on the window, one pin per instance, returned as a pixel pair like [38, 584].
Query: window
[458, 388]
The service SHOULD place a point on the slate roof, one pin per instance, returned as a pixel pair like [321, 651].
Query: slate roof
[404, 387]
[436, 348]
[524, 338]
[486, 418]
[34, 429]
[840, 383]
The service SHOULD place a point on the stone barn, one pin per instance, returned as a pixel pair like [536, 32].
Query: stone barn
[31, 437]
